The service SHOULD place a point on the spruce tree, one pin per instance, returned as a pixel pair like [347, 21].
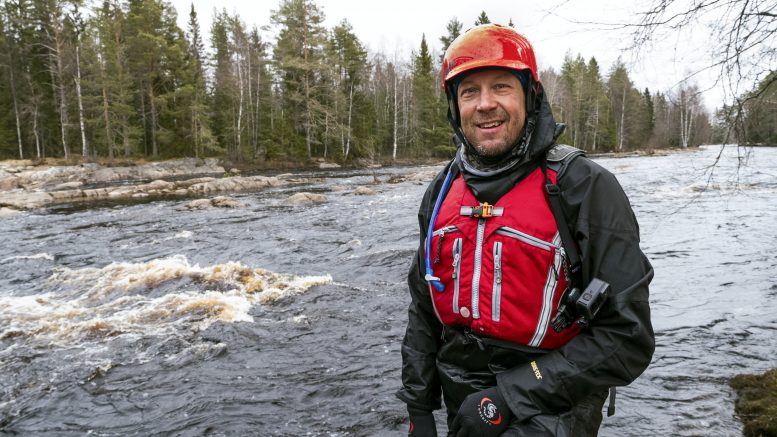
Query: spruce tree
[482, 19]
[298, 59]
[454, 30]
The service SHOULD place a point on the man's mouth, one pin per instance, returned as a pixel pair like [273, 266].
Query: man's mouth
[489, 124]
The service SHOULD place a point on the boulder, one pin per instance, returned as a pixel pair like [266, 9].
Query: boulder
[19, 199]
[364, 191]
[236, 183]
[9, 183]
[68, 186]
[8, 212]
[305, 199]
[216, 202]
[157, 185]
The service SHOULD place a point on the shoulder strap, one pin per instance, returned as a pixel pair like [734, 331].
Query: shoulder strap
[558, 157]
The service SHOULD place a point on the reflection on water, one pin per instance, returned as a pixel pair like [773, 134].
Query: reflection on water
[274, 319]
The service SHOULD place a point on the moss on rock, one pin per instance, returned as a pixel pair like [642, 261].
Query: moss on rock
[756, 404]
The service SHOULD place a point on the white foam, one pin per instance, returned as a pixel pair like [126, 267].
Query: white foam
[184, 234]
[132, 298]
[43, 255]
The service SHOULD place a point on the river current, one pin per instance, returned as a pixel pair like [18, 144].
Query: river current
[279, 320]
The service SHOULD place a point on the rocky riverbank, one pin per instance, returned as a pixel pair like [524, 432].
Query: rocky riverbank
[29, 186]
[24, 186]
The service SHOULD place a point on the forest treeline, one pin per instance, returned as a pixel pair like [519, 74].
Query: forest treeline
[86, 79]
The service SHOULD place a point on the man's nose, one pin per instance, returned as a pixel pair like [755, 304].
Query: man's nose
[487, 101]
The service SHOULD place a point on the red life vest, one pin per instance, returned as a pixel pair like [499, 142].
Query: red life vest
[503, 275]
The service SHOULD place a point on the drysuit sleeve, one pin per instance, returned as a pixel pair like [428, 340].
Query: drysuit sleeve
[619, 344]
[420, 384]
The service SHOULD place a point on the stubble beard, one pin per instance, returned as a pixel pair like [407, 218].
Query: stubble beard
[499, 146]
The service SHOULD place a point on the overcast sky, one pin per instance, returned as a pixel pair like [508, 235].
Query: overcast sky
[553, 27]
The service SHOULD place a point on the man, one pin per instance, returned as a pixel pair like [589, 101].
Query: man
[512, 228]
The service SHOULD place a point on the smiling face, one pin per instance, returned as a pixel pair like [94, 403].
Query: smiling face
[492, 110]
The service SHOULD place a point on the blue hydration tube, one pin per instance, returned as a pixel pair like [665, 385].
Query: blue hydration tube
[429, 277]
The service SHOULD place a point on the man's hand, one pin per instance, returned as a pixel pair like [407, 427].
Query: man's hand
[482, 414]
[421, 423]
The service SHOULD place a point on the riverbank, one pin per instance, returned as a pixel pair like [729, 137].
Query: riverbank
[25, 185]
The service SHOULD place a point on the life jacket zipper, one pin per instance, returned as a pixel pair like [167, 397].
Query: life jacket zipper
[456, 273]
[478, 267]
[496, 293]
[441, 232]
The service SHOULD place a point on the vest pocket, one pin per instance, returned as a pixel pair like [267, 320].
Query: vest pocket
[525, 286]
[496, 293]
[526, 238]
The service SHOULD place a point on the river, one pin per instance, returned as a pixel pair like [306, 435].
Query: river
[272, 319]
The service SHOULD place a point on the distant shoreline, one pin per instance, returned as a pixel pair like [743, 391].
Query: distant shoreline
[27, 184]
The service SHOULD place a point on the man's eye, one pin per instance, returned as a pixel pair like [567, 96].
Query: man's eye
[468, 92]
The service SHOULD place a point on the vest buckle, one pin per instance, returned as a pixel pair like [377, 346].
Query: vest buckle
[484, 210]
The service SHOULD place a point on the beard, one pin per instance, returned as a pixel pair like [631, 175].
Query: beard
[496, 147]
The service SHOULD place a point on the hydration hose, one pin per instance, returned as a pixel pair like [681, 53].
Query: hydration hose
[429, 276]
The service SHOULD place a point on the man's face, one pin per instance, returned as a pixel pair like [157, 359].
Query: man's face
[492, 109]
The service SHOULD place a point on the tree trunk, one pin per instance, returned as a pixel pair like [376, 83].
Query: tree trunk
[35, 130]
[240, 86]
[596, 126]
[143, 118]
[84, 147]
[256, 112]
[152, 105]
[58, 83]
[251, 136]
[621, 129]
[107, 120]
[396, 116]
[350, 110]
[16, 114]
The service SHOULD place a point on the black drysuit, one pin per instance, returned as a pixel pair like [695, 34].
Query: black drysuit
[613, 351]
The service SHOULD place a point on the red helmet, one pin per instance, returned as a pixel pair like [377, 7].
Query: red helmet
[488, 45]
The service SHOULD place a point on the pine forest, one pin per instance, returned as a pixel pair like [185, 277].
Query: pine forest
[88, 80]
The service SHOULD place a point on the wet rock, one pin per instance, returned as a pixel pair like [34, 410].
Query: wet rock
[216, 202]
[37, 187]
[9, 182]
[421, 177]
[189, 182]
[305, 199]
[157, 185]
[121, 192]
[235, 184]
[20, 199]
[364, 191]
[8, 212]
[367, 163]
[66, 195]
[68, 186]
